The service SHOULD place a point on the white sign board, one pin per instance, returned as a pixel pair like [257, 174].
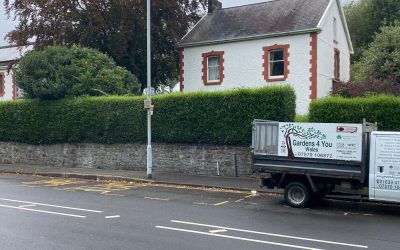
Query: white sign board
[321, 141]
[384, 180]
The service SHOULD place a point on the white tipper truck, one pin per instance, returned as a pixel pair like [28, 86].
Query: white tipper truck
[311, 160]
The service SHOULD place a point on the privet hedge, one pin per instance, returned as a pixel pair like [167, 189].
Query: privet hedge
[385, 110]
[214, 118]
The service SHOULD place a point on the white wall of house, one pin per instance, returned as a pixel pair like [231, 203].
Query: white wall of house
[8, 85]
[244, 66]
[326, 50]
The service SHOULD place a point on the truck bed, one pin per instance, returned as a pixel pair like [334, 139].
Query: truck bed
[313, 167]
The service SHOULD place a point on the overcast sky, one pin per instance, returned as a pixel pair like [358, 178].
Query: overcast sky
[7, 25]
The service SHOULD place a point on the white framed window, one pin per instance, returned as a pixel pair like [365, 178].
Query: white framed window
[213, 69]
[276, 63]
[335, 29]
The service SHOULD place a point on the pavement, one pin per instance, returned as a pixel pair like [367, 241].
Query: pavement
[222, 182]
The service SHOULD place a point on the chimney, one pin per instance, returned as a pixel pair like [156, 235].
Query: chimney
[214, 5]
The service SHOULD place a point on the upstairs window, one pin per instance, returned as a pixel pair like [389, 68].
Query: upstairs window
[213, 67]
[276, 63]
[335, 30]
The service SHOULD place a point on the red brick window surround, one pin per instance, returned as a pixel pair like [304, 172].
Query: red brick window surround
[3, 83]
[181, 70]
[276, 62]
[213, 68]
[336, 73]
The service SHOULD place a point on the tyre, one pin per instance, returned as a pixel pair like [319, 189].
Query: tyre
[297, 195]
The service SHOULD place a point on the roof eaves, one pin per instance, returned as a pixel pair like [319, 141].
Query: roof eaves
[201, 19]
[343, 18]
[247, 38]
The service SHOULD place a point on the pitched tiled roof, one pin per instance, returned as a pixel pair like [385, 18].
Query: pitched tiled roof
[257, 20]
[11, 53]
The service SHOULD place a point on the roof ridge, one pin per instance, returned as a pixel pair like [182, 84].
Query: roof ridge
[255, 21]
[245, 5]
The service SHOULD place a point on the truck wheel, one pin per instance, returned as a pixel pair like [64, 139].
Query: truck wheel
[297, 195]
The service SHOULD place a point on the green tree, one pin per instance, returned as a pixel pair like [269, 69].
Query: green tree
[58, 72]
[382, 58]
[364, 19]
[117, 27]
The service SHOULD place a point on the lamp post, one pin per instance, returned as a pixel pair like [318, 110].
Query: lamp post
[148, 105]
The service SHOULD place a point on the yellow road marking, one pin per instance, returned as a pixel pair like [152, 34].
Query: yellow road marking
[214, 204]
[26, 186]
[54, 182]
[221, 203]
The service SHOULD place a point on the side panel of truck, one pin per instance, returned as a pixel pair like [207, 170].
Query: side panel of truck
[384, 171]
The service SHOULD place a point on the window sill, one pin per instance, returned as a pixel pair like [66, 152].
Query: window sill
[213, 83]
[278, 79]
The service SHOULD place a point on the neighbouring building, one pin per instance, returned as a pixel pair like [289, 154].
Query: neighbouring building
[9, 56]
[304, 43]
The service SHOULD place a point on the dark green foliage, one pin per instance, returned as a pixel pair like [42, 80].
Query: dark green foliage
[366, 17]
[59, 72]
[385, 110]
[212, 117]
[382, 59]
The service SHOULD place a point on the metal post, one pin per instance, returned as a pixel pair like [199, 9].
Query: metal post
[149, 110]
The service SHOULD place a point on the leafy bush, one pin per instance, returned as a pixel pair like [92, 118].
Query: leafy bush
[58, 72]
[301, 118]
[382, 59]
[204, 117]
[382, 109]
[367, 87]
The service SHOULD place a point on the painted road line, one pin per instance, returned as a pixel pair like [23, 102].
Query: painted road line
[213, 204]
[49, 205]
[221, 203]
[29, 205]
[237, 238]
[44, 211]
[112, 217]
[157, 199]
[270, 234]
[218, 231]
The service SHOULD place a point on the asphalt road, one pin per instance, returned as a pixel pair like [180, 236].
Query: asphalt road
[45, 213]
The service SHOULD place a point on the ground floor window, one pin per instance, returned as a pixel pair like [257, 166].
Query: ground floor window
[213, 67]
[276, 62]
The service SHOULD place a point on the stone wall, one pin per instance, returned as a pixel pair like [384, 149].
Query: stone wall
[174, 158]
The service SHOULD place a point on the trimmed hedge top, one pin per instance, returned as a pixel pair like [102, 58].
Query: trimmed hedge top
[385, 110]
[202, 117]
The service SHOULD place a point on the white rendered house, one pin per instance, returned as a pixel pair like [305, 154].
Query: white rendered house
[9, 56]
[304, 43]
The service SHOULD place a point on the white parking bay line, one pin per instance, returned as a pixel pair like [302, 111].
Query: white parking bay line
[237, 238]
[218, 231]
[44, 211]
[270, 234]
[112, 216]
[49, 205]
